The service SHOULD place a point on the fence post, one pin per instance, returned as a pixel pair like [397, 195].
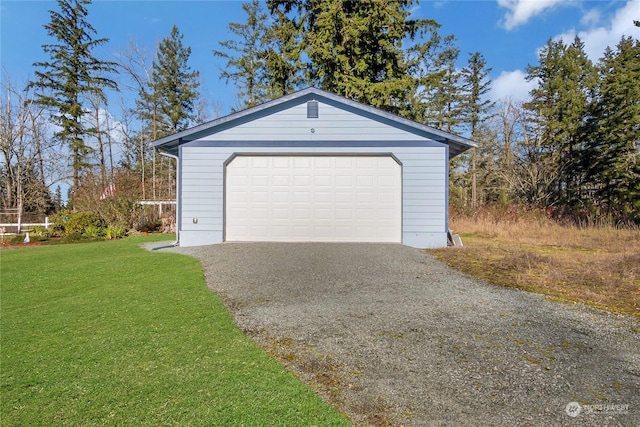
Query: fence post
[46, 222]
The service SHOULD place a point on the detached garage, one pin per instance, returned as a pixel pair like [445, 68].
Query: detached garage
[313, 167]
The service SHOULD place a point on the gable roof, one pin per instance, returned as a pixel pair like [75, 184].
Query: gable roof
[457, 144]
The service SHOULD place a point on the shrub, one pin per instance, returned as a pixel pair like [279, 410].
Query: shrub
[18, 238]
[69, 222]
[150, 225]
[93, 231]
[121, 207]
[115, 232]
[40, 233]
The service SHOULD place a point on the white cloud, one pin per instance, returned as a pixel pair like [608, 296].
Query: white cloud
[592, 17]
[520, 11]
[511, 85]
[597, 39]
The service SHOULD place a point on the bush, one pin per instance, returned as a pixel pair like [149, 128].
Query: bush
[40, 233]
[150, 225]
[67, 222]
[122, 207]
[115, 232]
[18, 238]
[93, 231]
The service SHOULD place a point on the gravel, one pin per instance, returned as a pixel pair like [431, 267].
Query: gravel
[391, 336]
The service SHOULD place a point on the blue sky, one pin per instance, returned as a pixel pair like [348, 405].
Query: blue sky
[507, 32]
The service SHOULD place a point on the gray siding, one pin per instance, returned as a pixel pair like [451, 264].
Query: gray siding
[424, 194]
[333, 124]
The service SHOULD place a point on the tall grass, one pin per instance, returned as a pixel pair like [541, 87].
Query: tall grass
[107, 334]
[544, 231]
[598, 265]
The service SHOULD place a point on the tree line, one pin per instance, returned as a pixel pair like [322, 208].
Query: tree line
[573, 145]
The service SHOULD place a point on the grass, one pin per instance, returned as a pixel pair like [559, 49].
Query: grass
[108, 334]
[599, 266]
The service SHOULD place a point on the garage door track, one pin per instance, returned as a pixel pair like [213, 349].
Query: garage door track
[391, 336]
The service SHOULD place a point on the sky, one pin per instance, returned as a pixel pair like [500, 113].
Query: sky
[509, 33]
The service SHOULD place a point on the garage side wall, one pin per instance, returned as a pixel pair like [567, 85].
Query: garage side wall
[424, 187]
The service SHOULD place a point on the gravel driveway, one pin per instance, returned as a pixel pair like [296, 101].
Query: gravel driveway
[391, 336]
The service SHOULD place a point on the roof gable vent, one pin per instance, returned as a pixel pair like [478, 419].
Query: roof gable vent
[312, 109]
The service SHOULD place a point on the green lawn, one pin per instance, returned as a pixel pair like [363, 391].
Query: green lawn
[107, 333]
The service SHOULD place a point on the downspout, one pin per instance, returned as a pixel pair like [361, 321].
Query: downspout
[177, 159]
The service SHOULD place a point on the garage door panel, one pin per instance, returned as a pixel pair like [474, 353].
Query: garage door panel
[280, 196]
[322, 214]
[301, 181]
[259, 162]
[303, 214]
[281, 162]
[306, 198]
[367, 214]
[365, 180]
[343, 232]
[301, 197]
[343, 197]
[239, 180]
[366, 197]
[344, 181]
[301, 162]
[323, 197]
[300, 232]
[344, 163]
[323, 163]
[281, 180]
[323, 180]
[365, 162]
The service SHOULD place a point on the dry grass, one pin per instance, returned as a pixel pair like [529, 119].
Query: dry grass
[599, 266]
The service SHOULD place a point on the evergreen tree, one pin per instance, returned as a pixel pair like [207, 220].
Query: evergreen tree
[246, 56]
[422, 60]
[57, 202]
[168, 104]
[614, 152]
[354, 47]
[567, 80]
[285, 71]
[475, 107]
[445, 104]
[71, 74]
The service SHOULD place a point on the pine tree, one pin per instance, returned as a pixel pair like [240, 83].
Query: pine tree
[567, 81]
[354, 47]
[285, 71]
[422, 60]
[475, 107]
[614, 152]
[71, 74]
[168, 105]
[444, 105]
[475, 86]
[246, 56]
[58, 203]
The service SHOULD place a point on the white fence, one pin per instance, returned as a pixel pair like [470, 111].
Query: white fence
[8, 227]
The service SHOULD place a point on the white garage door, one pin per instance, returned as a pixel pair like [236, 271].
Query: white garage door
[313, 199]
